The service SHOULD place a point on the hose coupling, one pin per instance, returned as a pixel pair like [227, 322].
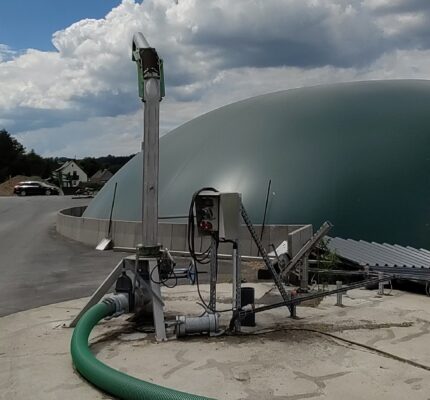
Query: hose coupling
[207, 323]
[119, 304]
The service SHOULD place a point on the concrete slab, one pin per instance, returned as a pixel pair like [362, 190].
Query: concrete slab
[278, 359]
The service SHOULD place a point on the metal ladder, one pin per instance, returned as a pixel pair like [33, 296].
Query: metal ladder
[264, 255]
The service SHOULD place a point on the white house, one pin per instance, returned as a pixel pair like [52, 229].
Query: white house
[70, 174]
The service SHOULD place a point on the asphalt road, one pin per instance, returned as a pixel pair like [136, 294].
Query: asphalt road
[37, 265]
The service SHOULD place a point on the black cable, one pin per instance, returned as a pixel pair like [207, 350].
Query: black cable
[265, 211]
[203, 259]
[206, 255]
[233, 242]
[173, 275]
[198, 289]
[170, 275]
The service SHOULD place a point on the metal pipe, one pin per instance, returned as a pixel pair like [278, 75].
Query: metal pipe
[149, 75]
[139, 41]
[150, 162]
[337, 271]
[237, 283]
[298, 300]
[381, 284]
[213, 273]
[304, 273]
[339, 294]
[207, 323]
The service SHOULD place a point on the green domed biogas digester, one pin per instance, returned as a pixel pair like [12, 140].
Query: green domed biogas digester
[357, 154]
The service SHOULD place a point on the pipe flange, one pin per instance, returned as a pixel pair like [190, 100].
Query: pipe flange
[119, 302]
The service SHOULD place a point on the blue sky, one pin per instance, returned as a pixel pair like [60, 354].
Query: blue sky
[68, 85]
[31, 23]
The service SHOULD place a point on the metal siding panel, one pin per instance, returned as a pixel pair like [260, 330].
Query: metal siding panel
[349, 251]
[383, 259]
[415, 253]
[392, 256]
[408, 258]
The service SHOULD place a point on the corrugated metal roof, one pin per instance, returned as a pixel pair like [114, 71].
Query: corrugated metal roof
[376, 254]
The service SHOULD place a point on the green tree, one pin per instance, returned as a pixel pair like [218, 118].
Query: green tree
[11, 155]
[90, 165]
[33, 164]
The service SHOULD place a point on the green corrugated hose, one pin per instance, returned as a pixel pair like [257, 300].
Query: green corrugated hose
[108, 379]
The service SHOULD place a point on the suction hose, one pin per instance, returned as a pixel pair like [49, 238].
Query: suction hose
[108, 379]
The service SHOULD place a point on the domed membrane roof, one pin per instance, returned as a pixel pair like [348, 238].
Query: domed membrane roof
[357, 154]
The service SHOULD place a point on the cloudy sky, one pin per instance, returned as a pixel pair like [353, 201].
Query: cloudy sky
[68, 85]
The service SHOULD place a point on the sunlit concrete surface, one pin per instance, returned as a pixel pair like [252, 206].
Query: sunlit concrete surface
[275, 363]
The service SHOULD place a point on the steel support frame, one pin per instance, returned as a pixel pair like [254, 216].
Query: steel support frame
[304, 273]
[150, 148]
[299, 299]
[101, 291]
[307, 247]
[237, 283]
[339, 294]
[153, 289]
[213, 273]
[157, 304]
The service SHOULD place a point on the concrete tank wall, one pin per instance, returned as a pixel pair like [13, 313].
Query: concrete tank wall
[172, 235]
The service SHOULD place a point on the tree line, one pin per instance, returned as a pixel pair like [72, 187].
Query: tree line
[15, 160]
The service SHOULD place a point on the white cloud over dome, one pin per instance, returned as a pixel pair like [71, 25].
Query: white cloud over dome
[215, 52]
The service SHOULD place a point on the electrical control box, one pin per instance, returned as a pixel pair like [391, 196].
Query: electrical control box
[229, 216]
[218, 213]
[207, 212]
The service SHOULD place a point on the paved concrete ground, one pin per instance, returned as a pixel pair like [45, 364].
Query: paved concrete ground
[274, 362]
[37, 265]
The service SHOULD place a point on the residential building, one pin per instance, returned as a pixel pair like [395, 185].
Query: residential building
[70, 174]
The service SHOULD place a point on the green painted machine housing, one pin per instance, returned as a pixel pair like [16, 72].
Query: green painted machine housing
[357, 154]
[136, 57]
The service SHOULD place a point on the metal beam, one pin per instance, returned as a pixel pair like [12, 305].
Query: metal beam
[100, 292]
[325, 227]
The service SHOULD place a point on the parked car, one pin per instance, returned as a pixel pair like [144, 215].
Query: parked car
[33, 187]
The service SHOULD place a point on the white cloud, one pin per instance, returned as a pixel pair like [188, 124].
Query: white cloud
[98, 136]
[6, 52]
[82, 98]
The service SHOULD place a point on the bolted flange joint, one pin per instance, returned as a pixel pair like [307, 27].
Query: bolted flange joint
[119, 304]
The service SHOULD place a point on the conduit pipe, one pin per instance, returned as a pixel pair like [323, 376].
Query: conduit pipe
[106, 378]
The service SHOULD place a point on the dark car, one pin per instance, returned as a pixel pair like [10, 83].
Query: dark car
[33, 187]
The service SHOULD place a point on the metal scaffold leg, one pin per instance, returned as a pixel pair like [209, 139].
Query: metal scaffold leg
[304, 275]
[381, 284]
[339, 294]
[157, 304]
[264, 255]
[236, 297]
[100, 292]
[213, 274]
